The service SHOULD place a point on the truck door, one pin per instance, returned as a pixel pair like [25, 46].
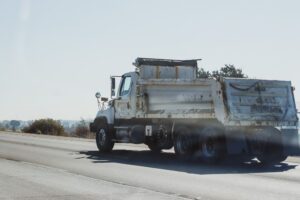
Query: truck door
[123, 104]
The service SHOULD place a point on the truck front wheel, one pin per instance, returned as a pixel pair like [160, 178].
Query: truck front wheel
[104, 139]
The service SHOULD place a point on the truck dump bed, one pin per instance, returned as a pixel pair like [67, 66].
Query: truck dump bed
[170, 89]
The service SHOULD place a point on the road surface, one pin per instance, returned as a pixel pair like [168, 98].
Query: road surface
[49, 167]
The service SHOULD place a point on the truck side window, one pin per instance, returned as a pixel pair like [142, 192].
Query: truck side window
[126, 85]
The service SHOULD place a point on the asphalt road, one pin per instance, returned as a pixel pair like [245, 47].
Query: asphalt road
[47, 167]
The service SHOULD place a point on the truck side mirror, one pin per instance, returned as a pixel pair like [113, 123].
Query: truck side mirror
[98, 95]
[113, 86]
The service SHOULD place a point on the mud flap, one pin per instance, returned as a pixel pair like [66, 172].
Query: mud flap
[290, 140]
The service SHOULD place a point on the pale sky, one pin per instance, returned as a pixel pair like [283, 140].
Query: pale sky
[55, 54]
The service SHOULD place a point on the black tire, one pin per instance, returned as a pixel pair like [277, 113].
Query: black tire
[213, 145]
[104, 138]
[270, 150]
[183, 143]
[161, 140]
[157, 147]
[154, 147]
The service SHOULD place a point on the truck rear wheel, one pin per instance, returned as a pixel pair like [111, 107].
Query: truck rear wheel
[183, 143]
[213, 145]
[270, 147]
[161, 140]
[154, 147]
[104, 139]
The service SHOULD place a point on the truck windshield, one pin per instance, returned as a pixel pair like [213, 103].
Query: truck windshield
[125, 86]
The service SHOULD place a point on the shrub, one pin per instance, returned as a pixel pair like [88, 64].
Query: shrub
[45, 126]
[82, 130]
[2, 127]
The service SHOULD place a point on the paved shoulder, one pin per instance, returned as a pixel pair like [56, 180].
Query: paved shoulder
[21, 180]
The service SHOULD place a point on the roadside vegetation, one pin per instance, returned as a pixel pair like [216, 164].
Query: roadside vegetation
[54, 127]
[12, 125]
[46, 127]
[2, 127]
[82, 130]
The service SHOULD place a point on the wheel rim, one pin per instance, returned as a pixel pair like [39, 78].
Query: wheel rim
[208, 148]
[183, 144]
[102, 136]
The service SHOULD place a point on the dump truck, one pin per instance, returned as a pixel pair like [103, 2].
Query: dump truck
[163, 104]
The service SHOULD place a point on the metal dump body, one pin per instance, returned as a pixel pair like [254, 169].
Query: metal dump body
[233, 102]
[170, 89]
[176, 98]
[259, 102]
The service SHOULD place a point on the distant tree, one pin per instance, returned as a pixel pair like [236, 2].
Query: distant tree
[2, 127]
[6, 126]
[201, 73]
[45, 126]
[14, 124]
[227, 71]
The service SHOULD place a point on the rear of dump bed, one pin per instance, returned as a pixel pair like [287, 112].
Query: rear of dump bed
[252, 102]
